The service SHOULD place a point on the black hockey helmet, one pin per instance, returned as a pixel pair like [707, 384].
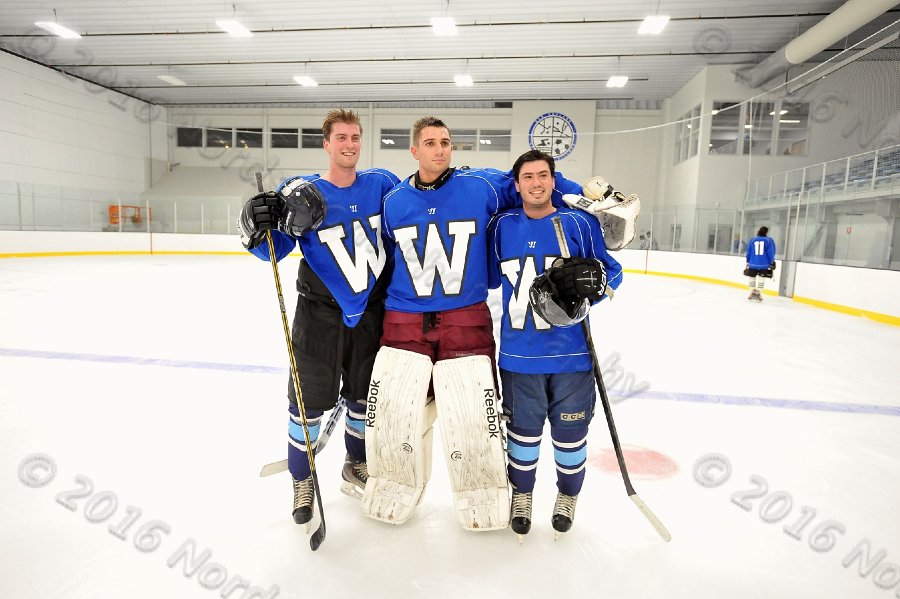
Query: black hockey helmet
[304, 206]
[546, 303]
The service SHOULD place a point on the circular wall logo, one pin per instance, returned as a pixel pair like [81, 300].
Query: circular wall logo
[553, 133]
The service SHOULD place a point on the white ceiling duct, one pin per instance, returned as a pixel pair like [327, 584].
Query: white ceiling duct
[836, 26]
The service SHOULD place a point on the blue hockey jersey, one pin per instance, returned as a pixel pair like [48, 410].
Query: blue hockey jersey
[346, 251]
[438, 237]
[761, 252]
[522, 248]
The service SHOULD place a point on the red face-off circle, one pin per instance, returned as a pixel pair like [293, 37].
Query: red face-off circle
[642, 463]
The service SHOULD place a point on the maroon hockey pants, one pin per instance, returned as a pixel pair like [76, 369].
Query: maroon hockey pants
[466, 331]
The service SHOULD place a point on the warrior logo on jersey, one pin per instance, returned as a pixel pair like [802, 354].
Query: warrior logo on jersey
[435, 262]
[366, 257]
[520, 277]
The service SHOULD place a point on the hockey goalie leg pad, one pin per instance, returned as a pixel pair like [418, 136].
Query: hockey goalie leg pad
[399, 419]
[469, 414]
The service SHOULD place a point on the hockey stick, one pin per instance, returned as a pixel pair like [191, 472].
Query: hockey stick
[319, 535]
[282, 465]
[604, 399]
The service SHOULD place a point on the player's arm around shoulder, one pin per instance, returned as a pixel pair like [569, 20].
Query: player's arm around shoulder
[390, 179]
[494, 241]
[564, 186]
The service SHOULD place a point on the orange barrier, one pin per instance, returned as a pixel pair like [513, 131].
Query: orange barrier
[134, 214]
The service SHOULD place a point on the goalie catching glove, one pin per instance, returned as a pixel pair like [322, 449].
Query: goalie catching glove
[616, 212]
[563, 294]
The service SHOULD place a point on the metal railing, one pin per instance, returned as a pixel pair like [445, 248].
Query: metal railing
[845, 178]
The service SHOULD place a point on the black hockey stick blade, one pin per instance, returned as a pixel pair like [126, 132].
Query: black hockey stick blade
[319, 534]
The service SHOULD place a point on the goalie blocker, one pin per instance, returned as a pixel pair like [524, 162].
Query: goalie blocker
[399, 419]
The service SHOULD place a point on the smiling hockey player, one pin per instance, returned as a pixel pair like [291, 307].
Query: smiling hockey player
[545, 365]
[335, 218]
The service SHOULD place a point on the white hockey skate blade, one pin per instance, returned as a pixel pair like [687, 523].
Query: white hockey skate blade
[399, 419]
[469, 413]
[351, 490]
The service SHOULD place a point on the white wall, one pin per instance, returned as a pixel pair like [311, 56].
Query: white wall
[629, 161]
[62, 131]
[234, 166]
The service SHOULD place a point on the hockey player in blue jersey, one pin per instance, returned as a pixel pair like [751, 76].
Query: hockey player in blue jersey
[335, 218]
[760, 262]
[435, 225]
[545, 367]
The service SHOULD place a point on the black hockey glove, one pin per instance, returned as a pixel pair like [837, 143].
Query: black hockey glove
[259, 214]
[772, 266]
[578, 278]
[304, 207]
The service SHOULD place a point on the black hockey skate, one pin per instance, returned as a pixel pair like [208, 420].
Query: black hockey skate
[303, 501]
[355, 474]
[520, 511]
[563, 513]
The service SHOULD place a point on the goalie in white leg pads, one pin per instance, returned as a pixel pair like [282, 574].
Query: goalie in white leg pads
[469, 415]
[399, 419]
[616, 212]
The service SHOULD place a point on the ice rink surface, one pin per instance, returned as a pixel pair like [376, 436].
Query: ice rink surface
[765, 436]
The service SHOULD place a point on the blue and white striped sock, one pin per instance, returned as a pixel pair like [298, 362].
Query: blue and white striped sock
[355, 430]
[298, 461]
[523, 446]
[570, 452]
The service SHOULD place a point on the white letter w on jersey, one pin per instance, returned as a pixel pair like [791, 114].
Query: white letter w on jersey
[519, 307]
[435, 260]
[366, 257]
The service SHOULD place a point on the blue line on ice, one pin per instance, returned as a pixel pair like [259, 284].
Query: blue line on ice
[791, 404]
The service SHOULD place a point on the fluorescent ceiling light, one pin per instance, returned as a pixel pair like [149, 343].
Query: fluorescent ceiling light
[782, 112]
[486, 142]
[443, 25]
[58, 29]
[788, 120]
[387, 142]
[748, 126]
[463, 80]
[171, 79]
[617, 81]
[306, 81]
[653, 25]
[233, 28]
